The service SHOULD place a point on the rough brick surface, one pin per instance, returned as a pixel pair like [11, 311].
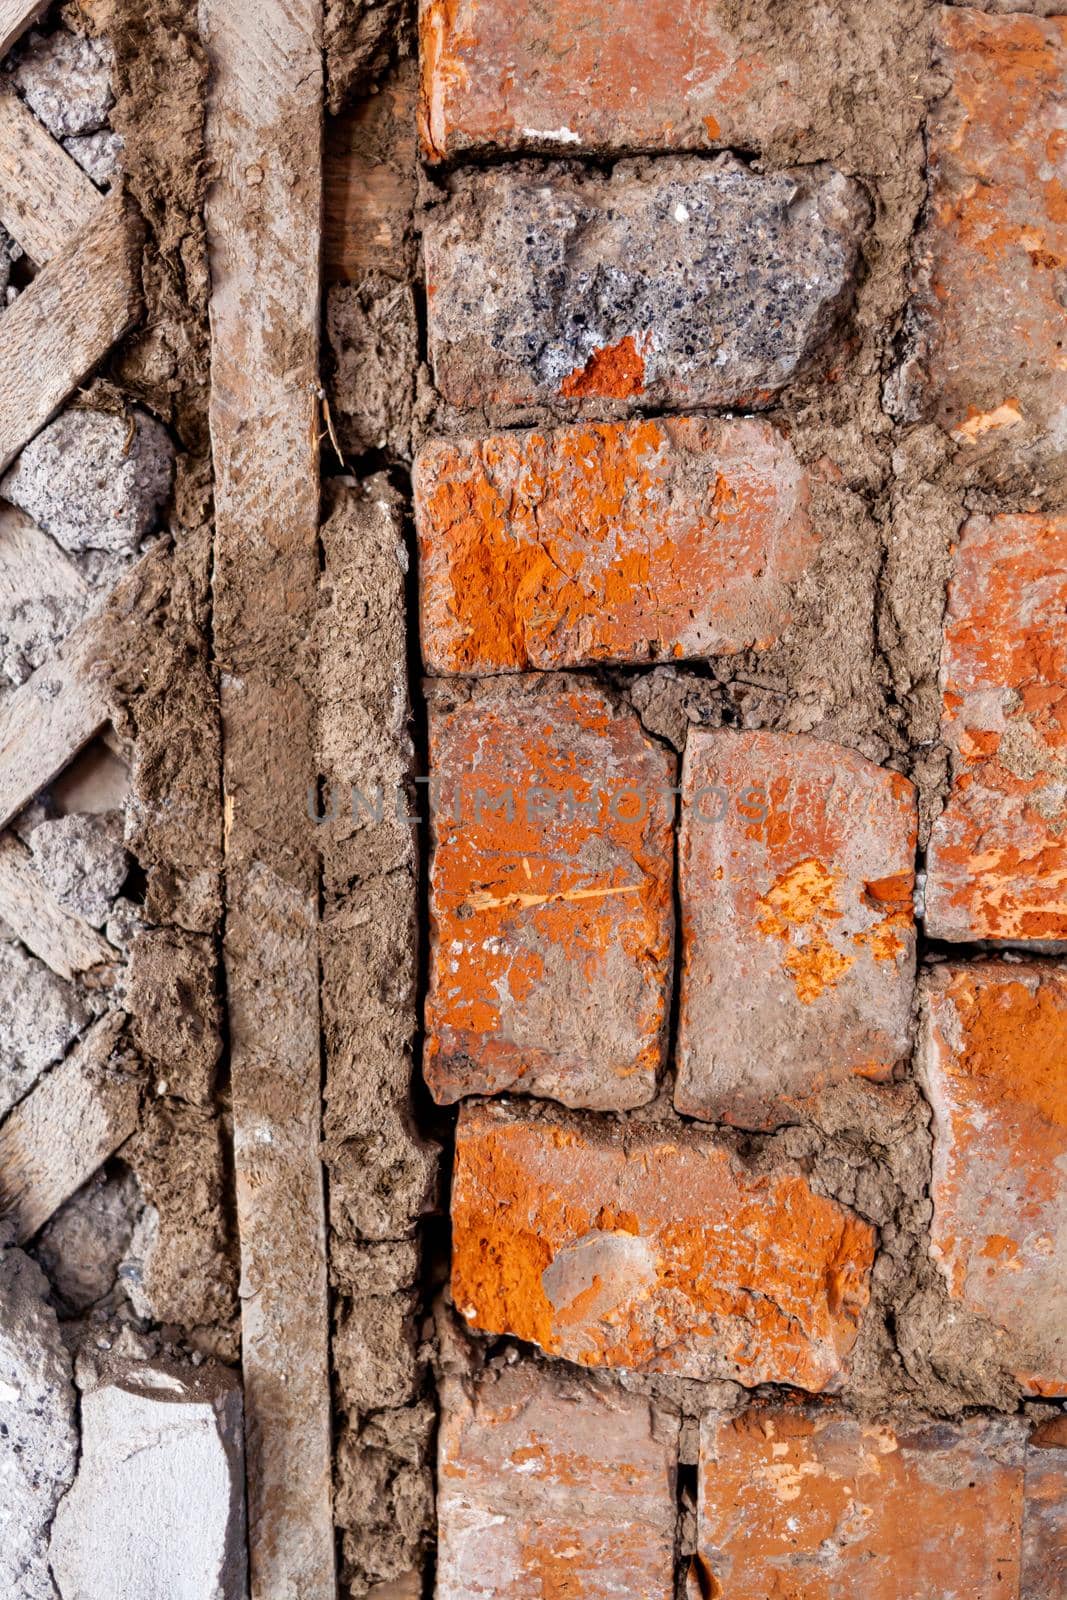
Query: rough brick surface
[800, 1501]
[987, 322]
[603, 74]
[652, 1247]
[675, 283]
[993, 1052]
[796, 868]
[608, 542]
[1044, 1563]
[998, 852]
[548, 1485]
[550, 897]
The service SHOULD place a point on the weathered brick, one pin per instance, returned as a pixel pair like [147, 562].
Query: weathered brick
[679, 282]
[998, 853]
[594, 74]
[1044, 1565]
[652, 1247]
[797, 870]
[551, 897]
[993, 1054]
[805, 1501]
[551, 1486]
[608, 542]
[987, 320]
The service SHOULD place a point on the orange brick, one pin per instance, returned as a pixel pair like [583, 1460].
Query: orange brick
[988, 318]
[1045, 1518]
[998, 852]
[799, 1501]
[549, 1486]
[551, 926]
[994, 1059]
[609, 542]
[652, 1247]
[593, 74]
[797, 871]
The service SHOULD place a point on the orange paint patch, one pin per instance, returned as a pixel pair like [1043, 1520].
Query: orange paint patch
[617, 372]
[798, 924]
[995, 1061]
[551, 901]
[998, 852]
[608, 541]
[813, 1503]
[728, 1274]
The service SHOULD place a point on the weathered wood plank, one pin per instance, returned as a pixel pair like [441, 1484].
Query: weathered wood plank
[45, 197]
[32, 564]
[264, 224]
[66, 702]
[65, 1129]
[62, 939]
[15, 17]
[64, 323]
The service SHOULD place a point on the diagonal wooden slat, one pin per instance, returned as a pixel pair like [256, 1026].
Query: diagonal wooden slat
[69, 1124]
[45, 197]
[15, 17]
[65, 941]
[65, 703]
[59, 328]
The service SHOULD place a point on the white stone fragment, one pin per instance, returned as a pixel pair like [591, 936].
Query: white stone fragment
[96, 153]
[40, 1016]
[66, 81]
[38, 1444]
[82, 860]
[92, 481]
[157, 1506]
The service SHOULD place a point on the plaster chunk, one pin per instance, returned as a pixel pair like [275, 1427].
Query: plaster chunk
[92, 481]
[66, 81]
[157, 1506]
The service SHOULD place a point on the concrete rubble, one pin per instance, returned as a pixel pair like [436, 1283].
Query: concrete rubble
[157, 1504]
[98, 154]
[94, 480]
[38, 1442]
[40, 1016]
[65, 80]
[82, 860]
[85, 1245]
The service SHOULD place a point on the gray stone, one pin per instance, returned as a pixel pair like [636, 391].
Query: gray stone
[66, 81]
[157, 1506]
[38, 1443]
[91, 481]
[82, 860]
[83, 1246]
[680, 282]
[9, 252]
[97, 154]
[40, 1016]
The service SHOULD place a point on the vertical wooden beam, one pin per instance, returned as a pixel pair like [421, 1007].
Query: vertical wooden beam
[264, 221]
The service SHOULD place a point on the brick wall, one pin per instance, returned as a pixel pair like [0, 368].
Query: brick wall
[737, 471]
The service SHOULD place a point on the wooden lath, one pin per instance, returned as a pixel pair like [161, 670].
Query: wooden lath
[45, 197]
[15, 17]
[263, 213]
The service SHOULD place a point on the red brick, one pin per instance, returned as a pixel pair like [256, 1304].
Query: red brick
[998, 852]
[551, 931]
[652, 1247]
[1045, 1516]
[797, 869]
[608, 542]
[988, 316]
[803, 1501]
[551, 1486]
[594, 74]
[994, 1060]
